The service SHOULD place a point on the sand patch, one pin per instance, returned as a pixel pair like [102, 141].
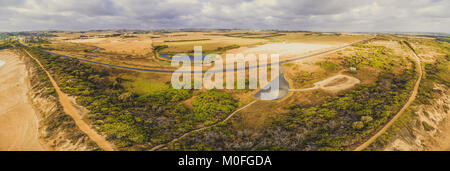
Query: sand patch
[94, 40]
[18, 120]
[285, 49]
[333, 84]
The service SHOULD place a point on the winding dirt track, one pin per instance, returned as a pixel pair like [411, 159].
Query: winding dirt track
[395, 118]
[75, 114]
[203, 128]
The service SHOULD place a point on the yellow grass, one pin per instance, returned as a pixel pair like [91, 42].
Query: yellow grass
[318, 38]
[208, 45]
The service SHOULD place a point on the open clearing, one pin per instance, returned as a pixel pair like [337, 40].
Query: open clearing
[132, 46]
[333, 84]
[18, 121]
[285, 50]
[208, 45]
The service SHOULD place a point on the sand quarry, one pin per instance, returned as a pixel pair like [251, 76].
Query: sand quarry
[18, 120]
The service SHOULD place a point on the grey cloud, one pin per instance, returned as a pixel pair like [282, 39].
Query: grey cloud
[316, 15]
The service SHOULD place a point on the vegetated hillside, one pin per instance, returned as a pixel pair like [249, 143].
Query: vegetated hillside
[425, 122]
[339, 123]
[132, 121]
[56, 127]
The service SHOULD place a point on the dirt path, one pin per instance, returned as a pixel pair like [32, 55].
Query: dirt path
[410, 100]
[76, 114]
[19, 124]
[203, 128]
[334, 84]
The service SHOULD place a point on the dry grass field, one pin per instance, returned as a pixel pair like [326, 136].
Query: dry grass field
[136, 50]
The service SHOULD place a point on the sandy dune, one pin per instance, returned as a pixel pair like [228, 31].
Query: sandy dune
[18, 121]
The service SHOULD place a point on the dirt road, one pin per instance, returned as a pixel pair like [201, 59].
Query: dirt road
[18, 121]
[333, 84]
[410, 100]
[203, 128]
[71, 110]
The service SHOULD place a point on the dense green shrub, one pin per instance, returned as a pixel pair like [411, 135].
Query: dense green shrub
[212, 106]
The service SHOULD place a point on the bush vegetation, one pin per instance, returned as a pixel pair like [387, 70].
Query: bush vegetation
[372, 56]
[129, 119]
[340, 123]
[434, 73]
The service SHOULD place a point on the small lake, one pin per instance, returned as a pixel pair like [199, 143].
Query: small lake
[274, 94]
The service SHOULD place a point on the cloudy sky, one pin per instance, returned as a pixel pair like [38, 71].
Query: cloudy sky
[313, 15]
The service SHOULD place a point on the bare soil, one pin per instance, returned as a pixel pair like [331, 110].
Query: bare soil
[333, 84]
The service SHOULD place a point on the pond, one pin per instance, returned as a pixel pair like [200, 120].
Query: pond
[274, 94]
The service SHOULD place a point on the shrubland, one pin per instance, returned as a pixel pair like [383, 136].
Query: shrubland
[339, 123]
[130, 120]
